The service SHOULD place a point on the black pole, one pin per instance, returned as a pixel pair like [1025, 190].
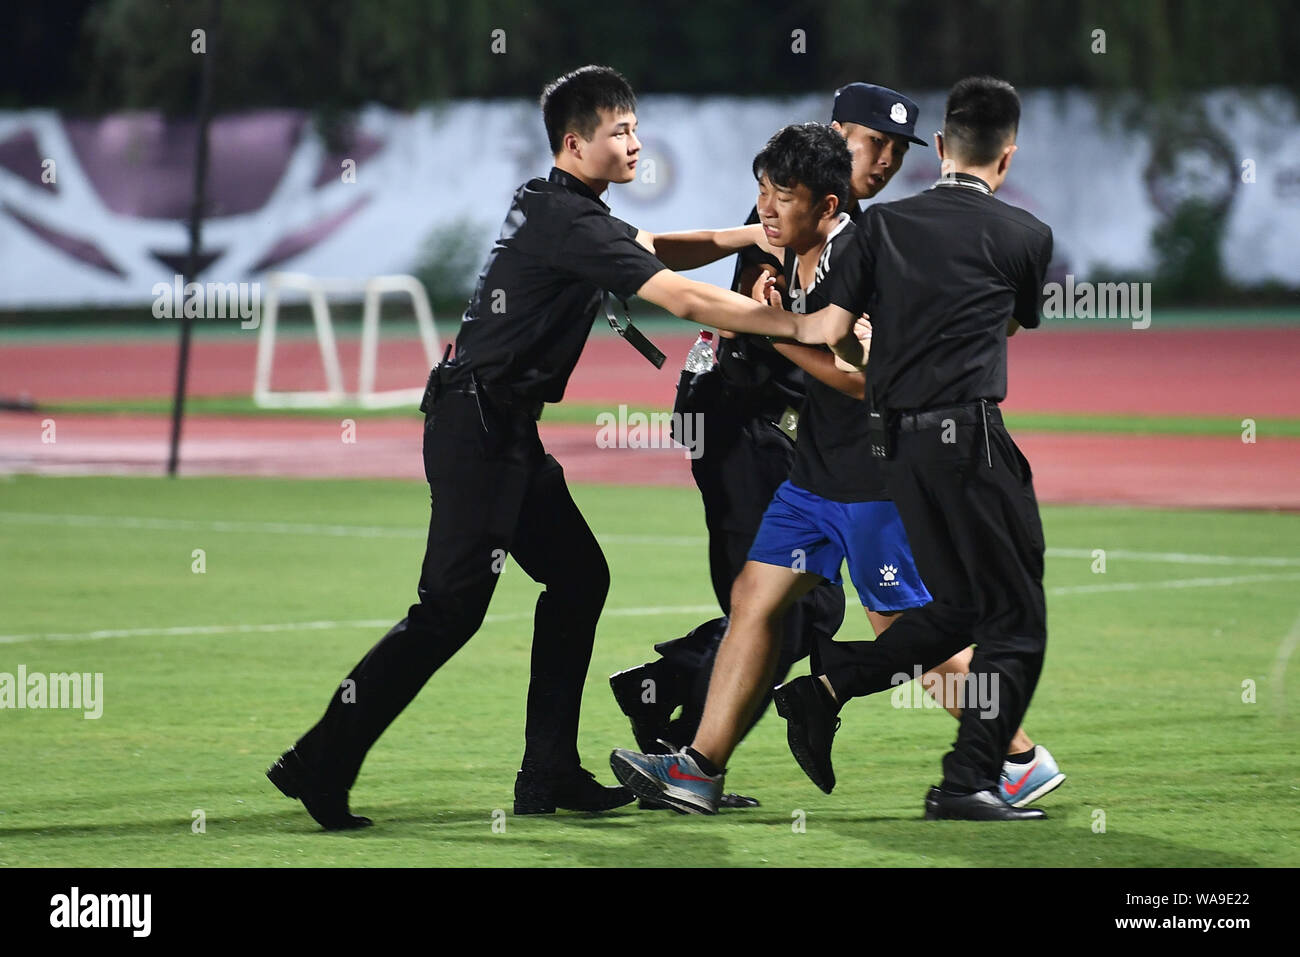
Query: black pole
[196, 228]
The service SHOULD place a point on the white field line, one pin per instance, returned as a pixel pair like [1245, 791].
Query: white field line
[189, 630]
[1177, 558]
[281, 528]
[388, 531]
[1176, 583]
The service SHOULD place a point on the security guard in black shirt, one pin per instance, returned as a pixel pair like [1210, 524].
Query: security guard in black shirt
[494, 489]
[937, 369]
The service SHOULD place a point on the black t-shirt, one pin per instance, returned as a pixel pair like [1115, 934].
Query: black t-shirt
[539, 291]
[833, 455]
[940, 273]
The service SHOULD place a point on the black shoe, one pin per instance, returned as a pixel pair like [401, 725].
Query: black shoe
[649, 718]
[810, 728]
[575, 791]
[329, 808]
[727, 800]
[980, 806]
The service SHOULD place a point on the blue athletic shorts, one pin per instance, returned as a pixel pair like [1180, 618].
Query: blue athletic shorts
[809, 533]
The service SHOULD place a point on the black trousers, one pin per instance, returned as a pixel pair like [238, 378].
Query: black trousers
[493, 490]
[746, 459]
[978, 542]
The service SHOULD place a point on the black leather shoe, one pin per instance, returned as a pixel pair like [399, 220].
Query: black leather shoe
[980, 806]
[810, 728]
[649, 718]
[329, 808]
[575, 791]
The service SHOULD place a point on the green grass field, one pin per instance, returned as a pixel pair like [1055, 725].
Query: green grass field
[585, 413]
[207, 677]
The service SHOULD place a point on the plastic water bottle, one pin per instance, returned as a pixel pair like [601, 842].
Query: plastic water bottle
[700, 358]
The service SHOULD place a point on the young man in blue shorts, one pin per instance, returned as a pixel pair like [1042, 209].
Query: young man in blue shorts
[834, 506]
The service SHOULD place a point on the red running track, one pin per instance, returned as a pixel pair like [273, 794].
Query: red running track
[1230, 372]
[1192, 471]
[1207, 372]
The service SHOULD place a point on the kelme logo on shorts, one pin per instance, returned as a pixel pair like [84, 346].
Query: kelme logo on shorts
[887, 575]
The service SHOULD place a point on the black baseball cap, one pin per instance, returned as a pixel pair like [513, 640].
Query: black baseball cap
[877, 107]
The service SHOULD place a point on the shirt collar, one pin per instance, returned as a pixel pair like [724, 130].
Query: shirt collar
[966, 180]
[570, 182]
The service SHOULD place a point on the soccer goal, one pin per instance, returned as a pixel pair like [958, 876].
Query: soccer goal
[318, 293]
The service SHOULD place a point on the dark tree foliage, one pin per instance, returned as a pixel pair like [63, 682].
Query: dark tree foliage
[103, 55]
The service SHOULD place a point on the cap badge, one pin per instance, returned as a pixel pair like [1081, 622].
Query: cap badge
[898, 113]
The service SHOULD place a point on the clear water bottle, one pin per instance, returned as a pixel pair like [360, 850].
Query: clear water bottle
[700, 358]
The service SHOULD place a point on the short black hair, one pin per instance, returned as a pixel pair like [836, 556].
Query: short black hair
[574, 101]
[811, 154]
[982, 116]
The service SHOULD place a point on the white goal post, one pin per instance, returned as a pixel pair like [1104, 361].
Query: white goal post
[318, 290]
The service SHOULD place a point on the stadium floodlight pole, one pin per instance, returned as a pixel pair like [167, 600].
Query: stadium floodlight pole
[196, 229]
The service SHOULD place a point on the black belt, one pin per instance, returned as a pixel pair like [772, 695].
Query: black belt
[448, 377]
[974, 413]
[970, 414]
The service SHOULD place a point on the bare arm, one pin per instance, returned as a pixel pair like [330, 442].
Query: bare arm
[848, 336]
[705, 305]
[699, 247]
[820, 364]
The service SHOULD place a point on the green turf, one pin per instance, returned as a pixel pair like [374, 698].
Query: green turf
[1141, 699]
[585, 413]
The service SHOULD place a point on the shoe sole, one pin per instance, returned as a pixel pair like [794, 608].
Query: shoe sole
[794, 738]
[544, 808]
[935, 815]
[1039, 791]
[534, 808]
[732, 802]
[650, 788]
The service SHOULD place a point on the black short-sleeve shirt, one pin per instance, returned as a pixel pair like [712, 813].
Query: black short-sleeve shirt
[940, 274]
[541, 287]
[833, 455]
